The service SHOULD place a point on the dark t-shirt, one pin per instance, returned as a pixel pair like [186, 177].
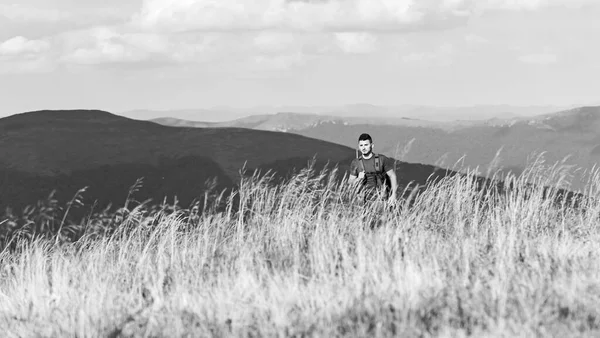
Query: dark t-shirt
[385, 163]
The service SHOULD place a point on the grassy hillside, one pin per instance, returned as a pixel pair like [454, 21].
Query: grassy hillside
[305, 258]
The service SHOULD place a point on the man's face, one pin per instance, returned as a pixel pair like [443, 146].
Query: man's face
[365, 147]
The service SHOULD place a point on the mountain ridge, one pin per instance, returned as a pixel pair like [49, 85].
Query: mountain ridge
[573, 132]
[281, 122]
[421, 112]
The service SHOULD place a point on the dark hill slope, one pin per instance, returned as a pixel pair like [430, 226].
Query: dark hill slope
[53, 142]
[67, 150]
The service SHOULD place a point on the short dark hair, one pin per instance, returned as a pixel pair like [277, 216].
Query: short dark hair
[365, 137]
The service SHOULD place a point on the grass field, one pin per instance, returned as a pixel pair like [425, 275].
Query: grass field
[305, 259]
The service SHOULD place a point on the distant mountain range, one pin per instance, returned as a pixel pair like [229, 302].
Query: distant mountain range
[285, 122]
[67, 150]
[573, 132]
[416, 112]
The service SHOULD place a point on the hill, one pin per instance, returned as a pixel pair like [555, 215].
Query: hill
[67, 150]
[573, 133]
[208, 115]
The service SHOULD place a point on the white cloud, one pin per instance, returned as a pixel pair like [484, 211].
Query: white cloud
[281, 33]
[286, 50]
[90, 14]
[322, 15]
[280, 62]
[21, 45]
[531, 4]
[22, 55]
[34, 65]
[231, 15]
[260, 49]
[442, 56]
[275, 42]
[475, 39]
[356, 43]
[16, 12]
[105, 53]
[543, 59]
[113, 45]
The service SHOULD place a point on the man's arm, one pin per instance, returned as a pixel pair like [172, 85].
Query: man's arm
[393, 180]
[390, 171]
[354, 176]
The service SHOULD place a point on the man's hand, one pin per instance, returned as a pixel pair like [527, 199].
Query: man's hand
[392, 200]
[361, 175]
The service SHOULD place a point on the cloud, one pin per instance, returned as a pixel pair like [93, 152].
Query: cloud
[34, 65]
[530, 4]
[113, 45]
[63, 16]
[22, 55]
[21, 45]
[261, 49]
[278, 34]
[286, 50]
[81, 15]
[442, 56]
[475, 39]
[110, 45]
[16, 12]
[356, 43]
[281, 62]
[332, 15]
[275, 42]
[543, 59]
[321, 15]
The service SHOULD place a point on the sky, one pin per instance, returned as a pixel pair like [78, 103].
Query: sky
[120, 55]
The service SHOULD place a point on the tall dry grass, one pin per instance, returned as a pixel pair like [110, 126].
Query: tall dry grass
[306, 258]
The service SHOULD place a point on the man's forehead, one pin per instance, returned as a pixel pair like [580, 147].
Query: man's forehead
[364, 142]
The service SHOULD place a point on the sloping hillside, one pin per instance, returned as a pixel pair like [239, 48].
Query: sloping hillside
[52, 142]
[66, 150]
[581, 120]
[573, 133]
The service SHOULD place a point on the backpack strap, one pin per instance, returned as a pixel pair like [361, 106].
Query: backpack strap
[377, 164]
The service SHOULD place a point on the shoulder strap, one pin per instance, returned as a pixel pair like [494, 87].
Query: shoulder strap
[377, 164]
[360, 161]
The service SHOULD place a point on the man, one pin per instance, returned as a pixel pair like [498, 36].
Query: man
[364, 174]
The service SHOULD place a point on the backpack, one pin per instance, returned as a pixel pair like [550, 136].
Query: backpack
[381, 177]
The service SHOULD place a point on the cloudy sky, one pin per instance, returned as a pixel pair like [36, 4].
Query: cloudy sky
[170, 54]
